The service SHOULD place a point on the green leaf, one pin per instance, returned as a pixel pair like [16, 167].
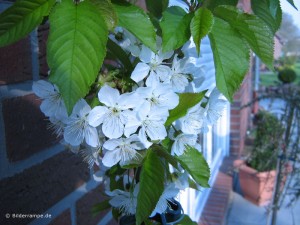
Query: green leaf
[270, 14]
[100, 207]
[156, 7]
[107, 11]
[149, 194]
[21, 18]
[186, 220]
[193, 185]
[195, 164]
[201, 25]
[186, 101]
[292, 3]
[175, 26]
[231, 57]
[259, 37]
[167, 144]
[135, 20]
[160, 151]
[76, 48]
[212, 4]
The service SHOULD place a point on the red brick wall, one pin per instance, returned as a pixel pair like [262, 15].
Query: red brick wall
[240, 117]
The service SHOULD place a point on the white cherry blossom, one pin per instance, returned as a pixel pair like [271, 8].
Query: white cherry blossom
[152, 65]
[113, 115]
[91, 154]
[151, 122]
[53, 104]
[169, 193]
[124, 200]
[193, 121]
[121, 150]
[179, 74]
[78, 128]
[159, 95]
[215, 106]
[181, 141]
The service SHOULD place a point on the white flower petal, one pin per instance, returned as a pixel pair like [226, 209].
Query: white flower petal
[73, 135]
[143, 138]
[163, 72]
[144, 92]
[143, 111]
[96, 115]
[165, 96]
[112, 127]
[162, 204]
[91, 136]
[48, 108]
[159, 114]
[112, 144]
[179, 82]
[108, 95]
[140, 72]
[61, 110]
[132, 123]
[43, 88]
[118, 200]
[165, 55]
[81, 108]
[128, 100]
[181, 141]
[153, 79]
[146, 54]
[156, 131]
[111, 158]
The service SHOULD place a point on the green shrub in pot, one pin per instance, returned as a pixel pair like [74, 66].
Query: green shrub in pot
[268, 133]
[287, 75]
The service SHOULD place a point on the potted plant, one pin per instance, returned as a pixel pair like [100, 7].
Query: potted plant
[257, 174]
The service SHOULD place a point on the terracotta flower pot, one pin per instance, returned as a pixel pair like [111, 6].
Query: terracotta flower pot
[257, 187]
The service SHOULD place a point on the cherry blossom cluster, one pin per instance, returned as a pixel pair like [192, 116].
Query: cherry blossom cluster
[124, 125]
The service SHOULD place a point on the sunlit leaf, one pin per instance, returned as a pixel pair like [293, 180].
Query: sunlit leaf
[201, 25]
[195, 164]
[257, 34]
[175, 26]
[135, 20]
[186, 101]
[271, 14]
[107, 12]
[231, 57]
[76, 48]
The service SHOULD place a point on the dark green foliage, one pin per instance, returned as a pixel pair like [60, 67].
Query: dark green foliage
[269, 131]
[287, 75]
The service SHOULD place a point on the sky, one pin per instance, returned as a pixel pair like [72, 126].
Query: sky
[286, 7]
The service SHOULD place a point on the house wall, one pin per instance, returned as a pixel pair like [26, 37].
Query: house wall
[277, 47]
[37, 175]
[240, 117]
